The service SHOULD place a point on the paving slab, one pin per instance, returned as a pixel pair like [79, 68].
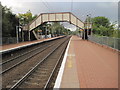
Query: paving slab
[11, 46]
[89, 65]
[70, 76]
[97, 66]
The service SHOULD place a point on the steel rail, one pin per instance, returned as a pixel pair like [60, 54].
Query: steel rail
[53, 71]
[24, 60]
[16, 85]
[20, 55]
[11, 59]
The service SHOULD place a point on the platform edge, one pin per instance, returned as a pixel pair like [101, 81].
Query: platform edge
[60, 73]
[2, 51]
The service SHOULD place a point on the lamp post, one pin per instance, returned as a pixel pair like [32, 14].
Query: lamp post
[45, 31]
[17, 30]
[20, 26]
[88, 26]
[85, 33]
[22, 30]
[17, 33]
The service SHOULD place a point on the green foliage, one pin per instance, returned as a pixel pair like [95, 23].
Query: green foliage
[116, 33]
[58, 29]
[26, 17]
[54, 29]
[101, 21]
[103, 27]
[9, 22]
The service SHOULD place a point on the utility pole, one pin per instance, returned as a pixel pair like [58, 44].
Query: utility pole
[29, 35]
[87, 26]
[45, 31]
[17, 27]
[84, 31]
[90, 26]
[22, 30]
[17, 30]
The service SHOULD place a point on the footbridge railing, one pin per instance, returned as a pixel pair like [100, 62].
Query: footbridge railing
[54, 17]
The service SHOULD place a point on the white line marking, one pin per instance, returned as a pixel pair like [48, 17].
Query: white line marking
[72, 55]
[60, 74]
[20, 46]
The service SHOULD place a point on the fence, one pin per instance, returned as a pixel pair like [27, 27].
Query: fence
[109, 41]
[9, 40]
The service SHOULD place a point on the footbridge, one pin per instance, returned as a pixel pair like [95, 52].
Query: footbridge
[52, 17]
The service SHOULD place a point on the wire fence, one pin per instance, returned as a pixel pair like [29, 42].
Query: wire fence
[108, 41]
[8, 40]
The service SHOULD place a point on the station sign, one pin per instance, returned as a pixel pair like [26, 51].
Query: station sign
[81, 29]
[39, 30]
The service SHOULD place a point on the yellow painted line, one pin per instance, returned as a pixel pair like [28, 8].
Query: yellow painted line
[70, 62]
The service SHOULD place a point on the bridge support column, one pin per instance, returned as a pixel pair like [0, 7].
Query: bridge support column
[85, 34]
[22, 36]
[29, 35]
[45, 32]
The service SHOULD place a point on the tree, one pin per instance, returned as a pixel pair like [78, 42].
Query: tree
[102, 26]
[27, 17]
[9, 22]
[101, 21]
[55, 28]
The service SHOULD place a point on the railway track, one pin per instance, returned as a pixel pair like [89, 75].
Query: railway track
[40, 75]
[8, 65]
[38, 63]
[18, 52]
[15, 61]
[18, 56]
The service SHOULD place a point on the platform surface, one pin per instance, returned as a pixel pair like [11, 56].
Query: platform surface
[22, 44]
[89, 66]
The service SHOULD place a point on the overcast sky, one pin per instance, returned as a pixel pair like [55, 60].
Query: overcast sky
[78, 7]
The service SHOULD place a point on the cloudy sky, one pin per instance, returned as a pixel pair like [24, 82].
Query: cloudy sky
[107, 8]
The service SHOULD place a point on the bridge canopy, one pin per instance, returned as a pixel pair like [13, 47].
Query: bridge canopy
[54, 17]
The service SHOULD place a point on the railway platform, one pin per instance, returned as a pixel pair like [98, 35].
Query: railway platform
[88, 65]
[24, 44]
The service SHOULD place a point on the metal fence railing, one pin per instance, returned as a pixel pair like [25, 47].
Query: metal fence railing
[108, 41]
[9, 40]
